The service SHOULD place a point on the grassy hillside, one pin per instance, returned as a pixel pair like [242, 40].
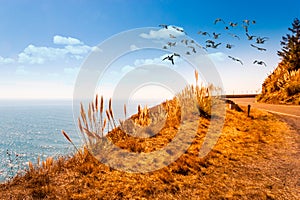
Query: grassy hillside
[283, 85]
[252, 159]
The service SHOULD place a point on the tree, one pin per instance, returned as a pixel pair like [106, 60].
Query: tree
[290, 52]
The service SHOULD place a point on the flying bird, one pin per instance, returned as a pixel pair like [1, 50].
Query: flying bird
[179, 29]
[259, 48]
[235, 59]
[229, 46]
[246, 21]
[219, 20]
[203, 33]
[163, 26]
[171, 44]
[171, 36]
[215, 45]
[260, 62]
[185, 41]
[250, 37]
[216, 35]
[212, 44]
[210, 41]
[246, 28]
[171, 57]
[261, 40]
[233, 24]
[193, 49]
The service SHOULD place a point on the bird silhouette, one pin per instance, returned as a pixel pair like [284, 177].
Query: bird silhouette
[216, 35]
[261, 40]
[188, 53]
[246, 28]
[171, 57]
[233, 24]
[246, 21]
[229, 46]
[185, 41]
[219, 20]
[250, 37]
[259, 48]
[216, 45]
[163, 26]
[203, 33]
[179, 29]
[171, 36]
[193, 49]
[171, 44]
[260, 62]
[210, 41]
[235, 59]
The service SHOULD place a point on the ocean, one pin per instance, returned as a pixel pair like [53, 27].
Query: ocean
[32, 128]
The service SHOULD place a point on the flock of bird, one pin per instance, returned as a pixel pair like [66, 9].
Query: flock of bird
[213, 40]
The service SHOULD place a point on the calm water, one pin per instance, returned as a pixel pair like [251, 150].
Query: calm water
[32, 129]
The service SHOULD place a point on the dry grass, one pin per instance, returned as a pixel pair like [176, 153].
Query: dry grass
[252, 160]
[255, 157]
[281, 86]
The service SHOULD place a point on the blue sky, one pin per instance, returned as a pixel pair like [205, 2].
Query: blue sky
[44, 43]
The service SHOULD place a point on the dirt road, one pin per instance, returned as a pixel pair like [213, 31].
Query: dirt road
[288, 113]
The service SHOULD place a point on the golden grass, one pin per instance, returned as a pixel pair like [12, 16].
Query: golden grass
[281, 86]
[250, 160]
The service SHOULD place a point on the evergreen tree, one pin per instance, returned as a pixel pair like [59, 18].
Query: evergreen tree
[290, 52]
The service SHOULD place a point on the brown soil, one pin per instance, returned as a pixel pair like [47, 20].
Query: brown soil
[256, 157]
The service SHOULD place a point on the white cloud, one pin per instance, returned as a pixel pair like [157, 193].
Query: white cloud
[157, 60]
[162, 33]
[96, 49]
[127, 68]
[78, 50]
[57, 39]
[73, 49]
[133, 47]
[6, 60]
[38, 55]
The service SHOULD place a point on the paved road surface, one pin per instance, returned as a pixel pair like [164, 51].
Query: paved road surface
[288, 113]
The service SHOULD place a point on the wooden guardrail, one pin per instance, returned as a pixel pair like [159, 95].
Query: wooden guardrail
[239, 95]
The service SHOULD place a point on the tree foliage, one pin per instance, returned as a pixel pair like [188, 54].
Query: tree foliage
[290, 43]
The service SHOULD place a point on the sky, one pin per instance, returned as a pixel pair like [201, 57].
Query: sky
[44, 44]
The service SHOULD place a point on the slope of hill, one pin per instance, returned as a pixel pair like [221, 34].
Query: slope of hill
[283, 85]
[256, 157]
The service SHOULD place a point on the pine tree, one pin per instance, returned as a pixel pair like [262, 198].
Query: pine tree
[290, 52]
